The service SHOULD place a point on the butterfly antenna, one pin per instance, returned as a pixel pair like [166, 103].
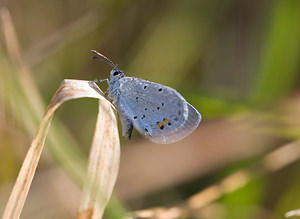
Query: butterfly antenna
[105, 59]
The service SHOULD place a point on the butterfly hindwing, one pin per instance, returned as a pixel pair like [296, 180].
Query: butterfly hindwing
[157, 111]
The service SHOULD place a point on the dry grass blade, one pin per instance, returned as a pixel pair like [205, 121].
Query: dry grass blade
[292, 213]
[14, 53]
[69, 89]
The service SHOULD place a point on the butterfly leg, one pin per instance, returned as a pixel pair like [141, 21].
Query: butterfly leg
[127, 125]
[126, 122]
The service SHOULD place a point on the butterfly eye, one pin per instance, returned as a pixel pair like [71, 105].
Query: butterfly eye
[116, 73]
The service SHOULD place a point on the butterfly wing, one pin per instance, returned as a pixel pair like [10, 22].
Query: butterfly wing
[158, 112]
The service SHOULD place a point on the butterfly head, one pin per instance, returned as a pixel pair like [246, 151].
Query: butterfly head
[116, 74]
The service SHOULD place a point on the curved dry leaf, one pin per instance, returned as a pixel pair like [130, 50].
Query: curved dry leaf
[103, 165]
[104, 156]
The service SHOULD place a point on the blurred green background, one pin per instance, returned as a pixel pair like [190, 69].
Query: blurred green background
[237, 62]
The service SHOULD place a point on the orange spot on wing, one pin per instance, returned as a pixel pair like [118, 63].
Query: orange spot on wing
[160, 125]
[166, 121]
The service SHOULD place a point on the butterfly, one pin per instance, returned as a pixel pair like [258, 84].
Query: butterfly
[156, 111]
